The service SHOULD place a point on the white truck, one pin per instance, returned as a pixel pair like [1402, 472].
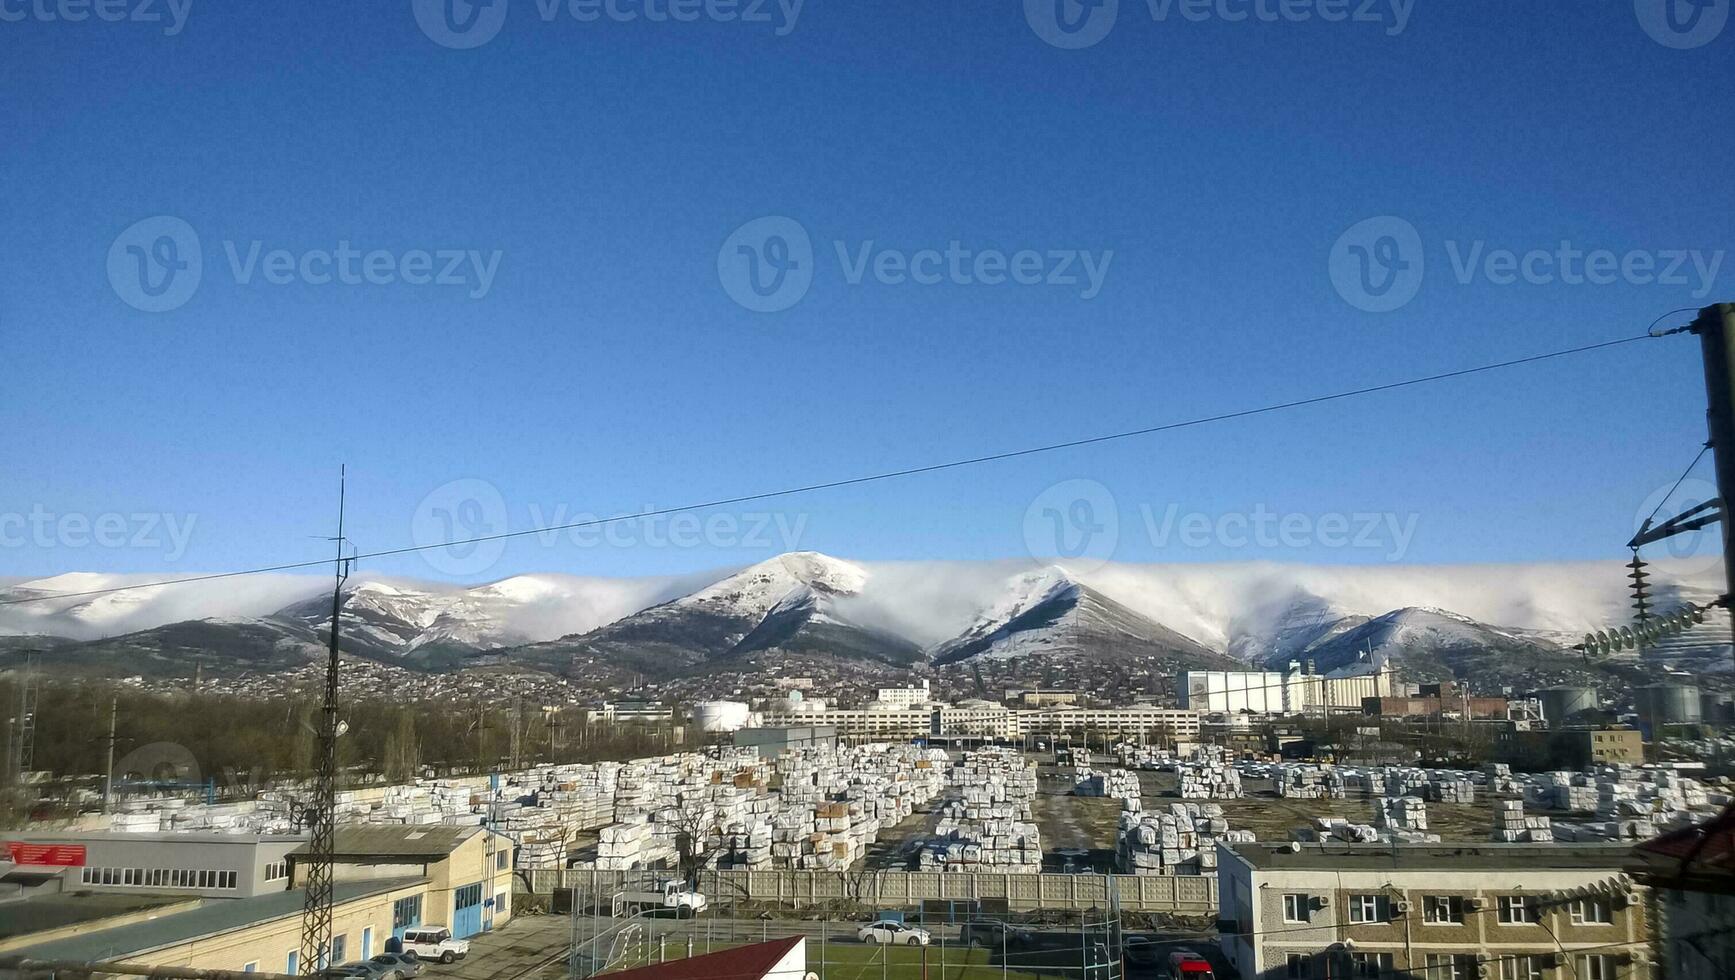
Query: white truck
[673, 896]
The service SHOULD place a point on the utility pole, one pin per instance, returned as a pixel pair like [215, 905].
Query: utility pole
[108, 771]
[1715, 327]
[317, 881]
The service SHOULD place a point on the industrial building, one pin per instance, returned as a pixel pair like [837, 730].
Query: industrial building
[388, 879]
[1442, 700]
[468, 870]
[1289, 692]
[776, 741]
[204, 865]
[991, 721]
[1437, 910]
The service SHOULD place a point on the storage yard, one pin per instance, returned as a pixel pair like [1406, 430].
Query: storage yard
[995, 810]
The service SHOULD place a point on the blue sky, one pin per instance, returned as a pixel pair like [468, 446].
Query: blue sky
[597, 168]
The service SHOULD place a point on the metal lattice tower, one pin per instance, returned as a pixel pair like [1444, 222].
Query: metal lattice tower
[24, 730]
[322, 815]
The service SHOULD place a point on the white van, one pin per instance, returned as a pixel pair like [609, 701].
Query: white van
[435, 944]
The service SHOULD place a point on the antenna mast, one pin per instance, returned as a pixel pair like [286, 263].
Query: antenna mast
[322, 816]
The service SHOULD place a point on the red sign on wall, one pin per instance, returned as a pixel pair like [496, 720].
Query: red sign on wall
[46, 855]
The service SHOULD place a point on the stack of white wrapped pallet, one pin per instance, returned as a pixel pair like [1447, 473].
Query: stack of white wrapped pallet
[1452, 791]
[1403, 818]
[1501, 781]
[1179, 841]
[1210, 781]
[1330, 828]
[1309, 783]
[141, 822]
[1512, 826]
[987, 826]
[1116, 783]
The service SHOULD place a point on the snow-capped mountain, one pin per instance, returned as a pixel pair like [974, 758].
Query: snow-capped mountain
[1429, 619]
[1047, 612]
[789, 603]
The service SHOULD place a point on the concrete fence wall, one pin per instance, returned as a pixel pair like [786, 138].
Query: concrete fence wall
[900, 889]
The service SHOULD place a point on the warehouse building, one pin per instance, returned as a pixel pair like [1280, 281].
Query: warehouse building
[1290, 692]
[991, 720]
[261, 934]
[207, 865]
[468, 870]
[1501, 911]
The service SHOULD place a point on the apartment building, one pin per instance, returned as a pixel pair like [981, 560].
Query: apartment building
[1441, 911]
[1289, 692]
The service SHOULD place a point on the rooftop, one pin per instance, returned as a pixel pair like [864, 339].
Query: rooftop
[32, 914]
[210, 918]
[430, 841]
[740, 963]
[1700, 857]
[1339, 856]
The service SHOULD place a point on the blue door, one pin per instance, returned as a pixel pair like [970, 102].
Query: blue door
[467, 911]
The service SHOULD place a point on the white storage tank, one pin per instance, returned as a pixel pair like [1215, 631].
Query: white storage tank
[720, 716]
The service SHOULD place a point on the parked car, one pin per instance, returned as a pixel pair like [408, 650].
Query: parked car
[991, 934]
[435, 944]
[893, 934]
[348, 971]
[1141, 951]
[1189, 966]
[402, 965]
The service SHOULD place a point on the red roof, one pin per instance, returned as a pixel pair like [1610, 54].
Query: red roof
[1701, 854]
[740, 963]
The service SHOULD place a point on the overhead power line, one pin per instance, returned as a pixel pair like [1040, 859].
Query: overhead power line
[875, 477]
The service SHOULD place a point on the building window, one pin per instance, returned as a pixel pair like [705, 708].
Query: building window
[1295, 908]
[252, 967]
[1375, 966]
[1299, 967]
[407, 912]
[1596, 966]
[502, 860]
[276, 870]
[1592, 911]
[1369, 908]
[293, 961]
[1516, 909]
[1443, 909]
[1524, 967]
[339, 950]
[1451, 966]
